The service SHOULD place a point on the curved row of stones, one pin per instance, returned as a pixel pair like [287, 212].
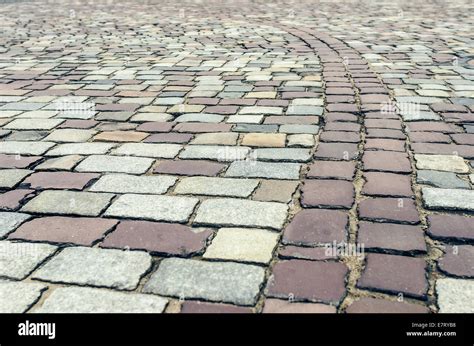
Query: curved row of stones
[202, 181]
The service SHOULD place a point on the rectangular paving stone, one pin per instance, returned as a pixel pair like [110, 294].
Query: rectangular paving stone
[261, 110]
[158, 238]
[22, 106]
[59, 229]
[446, 180]
[120, 136]
[61, 163]
[448, 163]
[36, 124]
[299, 128]
[332, 169]
[116, 164]
[162, 151]
[242, 245]
[124, 183]
[68, 203]
[394, 237]
[389, 209]
[282, 154]
[255, 128]
[450, 199]
[275, 191]
[455, 295]
[337, 151]
[222, 138]
[387, 184]
[189, 167]
[151, 207]
[304, 110]
[215, 281]
[18, 297]
[386, 161]
[310, 227]
[264, 140]
[451, 227]
[80, 149]
[327, 194]
[18, 260]
[59, 180]
[25, 148]
[96, 267]
[236, 212]
[70, 135]
[199, 118]
[458, 260]
[214, 152]
[92, 300]
[395, 274]
[9, 178]
[269, 170]
[216, 186]
[314, 281]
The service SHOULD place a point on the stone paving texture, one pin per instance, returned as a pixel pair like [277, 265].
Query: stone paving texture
[237, 156]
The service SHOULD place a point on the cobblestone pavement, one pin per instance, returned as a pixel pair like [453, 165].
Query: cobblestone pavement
[260, 156]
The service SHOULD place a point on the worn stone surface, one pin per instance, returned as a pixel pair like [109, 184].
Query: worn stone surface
[242, 245]
[392, 237]
[18, 297]
[59, 180]
[308, 280]
[162, 151]
[270, 170]
[150, 207]
[316, 226]
[327, 194]
[189, 167]
[18, 260]
[214, 152]
[68, 203]
[59, 229]
[389, 209]
[449, 163]
[395, 274]
[458, 260]
[216, 186]
[447, 180]
[117, 164]
[91, 300]
[452, 227]
[215, 281]
[275, 191]
[235, 212]
[124, 183]
[450, 199]
[96, 267]
[455, 295]
[158, 238]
